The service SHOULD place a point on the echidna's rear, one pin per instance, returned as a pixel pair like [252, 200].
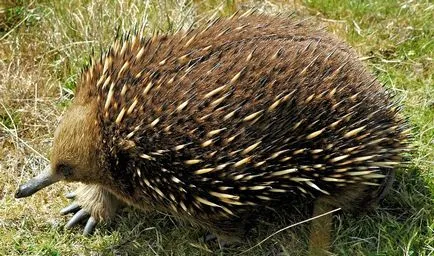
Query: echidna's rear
[237, 115]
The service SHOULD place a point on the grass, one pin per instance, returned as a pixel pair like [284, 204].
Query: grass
[43, 45]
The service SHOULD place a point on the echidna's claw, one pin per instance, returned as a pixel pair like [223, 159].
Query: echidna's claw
[211, 237]
[71, 195]
[90, 226]
[92, 204]
[72, 208]
[77, 218]
[208, 237]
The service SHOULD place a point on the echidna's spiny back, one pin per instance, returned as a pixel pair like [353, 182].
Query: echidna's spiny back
[250, 111]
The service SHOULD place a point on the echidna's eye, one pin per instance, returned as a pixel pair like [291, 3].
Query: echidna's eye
[64, 169]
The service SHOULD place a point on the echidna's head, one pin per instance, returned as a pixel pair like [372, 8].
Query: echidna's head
[75, 154]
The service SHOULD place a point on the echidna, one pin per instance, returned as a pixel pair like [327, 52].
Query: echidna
[223, 120]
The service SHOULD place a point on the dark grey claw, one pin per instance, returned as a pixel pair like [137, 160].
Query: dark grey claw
[71, 195]
[72, 208]
[77, 218]
[90, 226]
[209, 237]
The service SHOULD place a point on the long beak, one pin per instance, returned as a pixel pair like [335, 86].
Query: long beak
[39, 182]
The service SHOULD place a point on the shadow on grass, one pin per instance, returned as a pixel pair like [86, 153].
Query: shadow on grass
[138, 233]
[400, 225]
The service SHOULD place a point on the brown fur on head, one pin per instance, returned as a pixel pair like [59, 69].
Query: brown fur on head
[75, 154]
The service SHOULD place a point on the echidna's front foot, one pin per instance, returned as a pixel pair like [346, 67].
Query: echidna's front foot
[79, 216]
[92, 204]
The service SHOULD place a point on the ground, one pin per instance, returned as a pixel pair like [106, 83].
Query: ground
[43, 45]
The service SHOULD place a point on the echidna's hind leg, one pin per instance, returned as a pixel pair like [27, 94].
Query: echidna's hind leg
[321, 229]
[92, 202]
[227, 233]
[357, 199]
[207, 238]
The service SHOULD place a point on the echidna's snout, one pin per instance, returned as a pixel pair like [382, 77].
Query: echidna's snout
[44, 179]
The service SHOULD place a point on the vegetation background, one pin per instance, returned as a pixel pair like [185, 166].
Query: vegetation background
[43, 45]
